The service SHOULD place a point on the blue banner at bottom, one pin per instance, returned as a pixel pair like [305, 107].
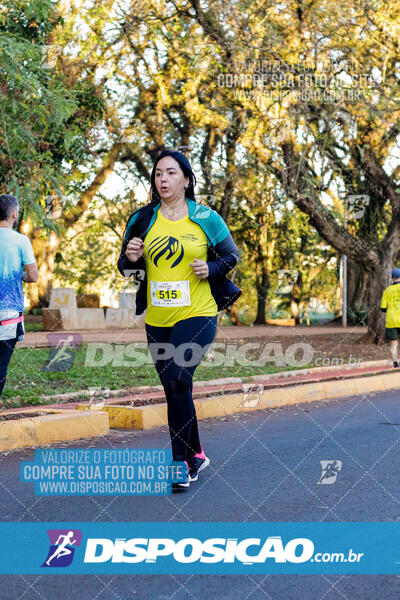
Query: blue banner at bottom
[199, 548]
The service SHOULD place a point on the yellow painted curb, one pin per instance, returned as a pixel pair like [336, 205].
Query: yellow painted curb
[62, 426]
[155, 415]
[133, 417]
[120, 415]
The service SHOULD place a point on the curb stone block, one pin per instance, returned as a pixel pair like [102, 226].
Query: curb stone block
[57, 426]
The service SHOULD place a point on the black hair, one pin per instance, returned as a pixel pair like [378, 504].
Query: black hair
[7, 204]
[187, 171]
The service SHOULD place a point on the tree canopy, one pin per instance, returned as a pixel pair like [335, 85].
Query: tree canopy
[289, 113]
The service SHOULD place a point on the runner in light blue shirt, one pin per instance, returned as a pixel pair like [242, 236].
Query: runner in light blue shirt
[16, 254]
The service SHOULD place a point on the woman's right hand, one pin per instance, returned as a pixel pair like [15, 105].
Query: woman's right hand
[134, 249]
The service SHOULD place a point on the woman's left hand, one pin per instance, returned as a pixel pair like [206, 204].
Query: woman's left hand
[200, 268]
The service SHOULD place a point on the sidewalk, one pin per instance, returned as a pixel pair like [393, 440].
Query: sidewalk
[38, 339]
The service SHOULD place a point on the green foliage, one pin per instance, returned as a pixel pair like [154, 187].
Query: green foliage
[32, 20]
[357, 317]
[86, 262]
[87, 257]
[141, 58]
[44, 115]
[300, 248]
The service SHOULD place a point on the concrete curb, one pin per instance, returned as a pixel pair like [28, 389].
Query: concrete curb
[330, 369]
[155, 415]
[64, 425]
[217, 388]
[131, 417]
[120, 416]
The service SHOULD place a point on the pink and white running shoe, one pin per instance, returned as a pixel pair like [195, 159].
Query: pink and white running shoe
[199, 462]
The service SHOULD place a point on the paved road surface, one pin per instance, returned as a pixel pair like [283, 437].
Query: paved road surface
[265, 467]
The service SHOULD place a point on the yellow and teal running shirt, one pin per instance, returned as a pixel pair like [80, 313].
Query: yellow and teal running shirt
[174, 292]
[391, 301]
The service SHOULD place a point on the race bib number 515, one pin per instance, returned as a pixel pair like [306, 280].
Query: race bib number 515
[170, 293]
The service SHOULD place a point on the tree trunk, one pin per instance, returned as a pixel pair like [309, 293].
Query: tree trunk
[376, 318]
[44, 249]
[358, 287]
[294, 311]
[265, 251]
[262, 287]
[296, 297]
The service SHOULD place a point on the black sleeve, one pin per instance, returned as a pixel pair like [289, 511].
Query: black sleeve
[128, 268]
[229, 257]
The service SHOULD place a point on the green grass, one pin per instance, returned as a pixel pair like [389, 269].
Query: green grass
[33, 327]
[26, 382]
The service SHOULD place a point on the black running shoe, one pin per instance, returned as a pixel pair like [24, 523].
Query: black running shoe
[395, 364]
[184, 483]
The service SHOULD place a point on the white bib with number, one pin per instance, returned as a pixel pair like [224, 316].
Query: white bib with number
[170, 293]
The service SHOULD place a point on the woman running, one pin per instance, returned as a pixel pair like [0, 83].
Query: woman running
[181, 251]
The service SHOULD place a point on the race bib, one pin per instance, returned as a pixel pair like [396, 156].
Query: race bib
[170, 293]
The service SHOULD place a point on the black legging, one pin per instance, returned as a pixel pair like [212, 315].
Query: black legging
[6, 350]
[177, 380]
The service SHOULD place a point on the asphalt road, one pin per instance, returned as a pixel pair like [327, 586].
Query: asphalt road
[264, 467]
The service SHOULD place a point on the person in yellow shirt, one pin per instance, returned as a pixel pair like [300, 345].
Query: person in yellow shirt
[390, 304]
[183, 250]
[175, 291]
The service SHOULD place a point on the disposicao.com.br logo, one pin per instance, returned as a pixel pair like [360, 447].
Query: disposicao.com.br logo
[247, 551]
[199, 547]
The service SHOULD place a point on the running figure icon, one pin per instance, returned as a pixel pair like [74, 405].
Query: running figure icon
[61, 352]
[330, 470]
[62, 550]
[63, 348]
